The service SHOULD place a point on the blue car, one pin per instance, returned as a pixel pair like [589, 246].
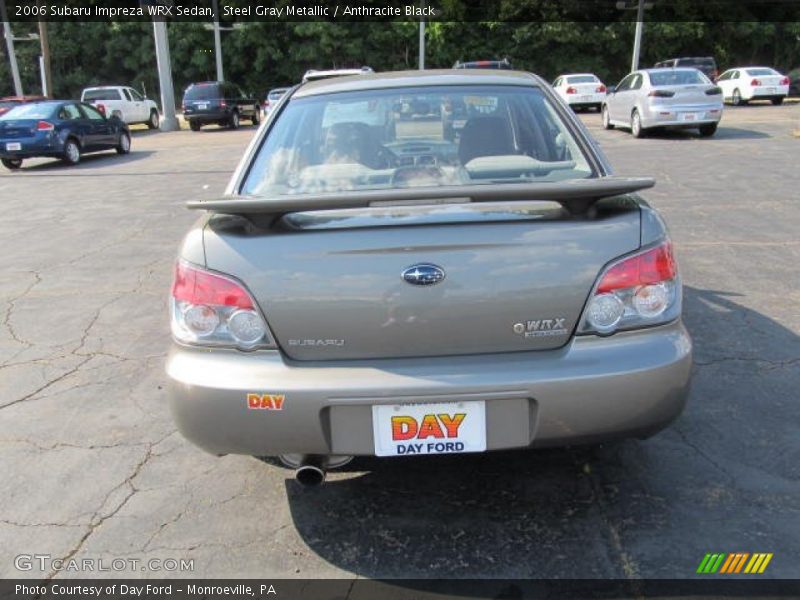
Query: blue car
[59, 128]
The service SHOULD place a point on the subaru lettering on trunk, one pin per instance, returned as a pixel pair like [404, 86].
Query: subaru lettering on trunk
[538, 301]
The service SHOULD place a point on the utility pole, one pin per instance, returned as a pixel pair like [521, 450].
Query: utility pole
[422, 41]
[637, 40]
[217, 41]
[46, 76]
[169, 122]
[12, 55]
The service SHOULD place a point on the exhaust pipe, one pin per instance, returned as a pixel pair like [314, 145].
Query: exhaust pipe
[311, 471]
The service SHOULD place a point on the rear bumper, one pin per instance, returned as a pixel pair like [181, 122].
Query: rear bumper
[767, 92]
[30, 147]
[585, 99]
[677, 116]
[629, 384]
[207, 117]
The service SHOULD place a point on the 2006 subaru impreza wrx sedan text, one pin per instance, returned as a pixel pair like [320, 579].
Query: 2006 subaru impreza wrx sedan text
[370, 286]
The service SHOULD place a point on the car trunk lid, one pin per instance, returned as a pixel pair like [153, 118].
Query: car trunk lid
[332, 285]
[18, 128]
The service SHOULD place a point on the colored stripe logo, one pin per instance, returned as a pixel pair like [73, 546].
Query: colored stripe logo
[734, 562]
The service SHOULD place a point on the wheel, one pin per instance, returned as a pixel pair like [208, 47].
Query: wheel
[708, 130]
[152, 123]
[777, 101]
[737, 98]
[606, 118]
[234, 121]
[636, 125]
[12, 163]
[256, 116]
[124, 145]
[72, 152]
[194, 125]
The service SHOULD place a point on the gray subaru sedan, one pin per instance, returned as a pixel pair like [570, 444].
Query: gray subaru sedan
[370, 285]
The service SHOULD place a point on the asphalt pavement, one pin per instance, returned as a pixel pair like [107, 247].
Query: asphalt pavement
[92, 466]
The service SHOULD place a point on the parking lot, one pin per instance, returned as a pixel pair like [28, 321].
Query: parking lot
[93, 468]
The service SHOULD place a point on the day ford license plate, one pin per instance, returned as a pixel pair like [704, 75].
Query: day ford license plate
[437, 428]
[13, 146]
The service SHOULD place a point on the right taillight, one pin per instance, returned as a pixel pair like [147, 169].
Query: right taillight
[601, 89]
[784, 81]
[211, 309]
[636, 291]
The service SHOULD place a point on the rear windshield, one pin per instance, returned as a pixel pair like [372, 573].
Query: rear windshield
[761, 72]
[30, 111]
[696, 62]
[90, 95]
[582, 79]
[370, 140]
[676, 77]
[202, 92]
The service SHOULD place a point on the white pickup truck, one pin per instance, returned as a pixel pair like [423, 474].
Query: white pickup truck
[123, 102]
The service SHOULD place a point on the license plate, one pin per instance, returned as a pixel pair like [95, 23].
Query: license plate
[585, 98]
[459, 124]
[770, 90]
[437, 428]
[13, 146]
[690, 116]
[203, 105]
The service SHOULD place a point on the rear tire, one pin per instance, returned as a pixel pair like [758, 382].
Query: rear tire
[12, 163]
[256, 116]
[194, 125]
[124, 145]
[152, 122]
[737, 98]
[72, 152]
[606, 118]
[777, 101]
[233, 123]
[708, 130]
[636, 125]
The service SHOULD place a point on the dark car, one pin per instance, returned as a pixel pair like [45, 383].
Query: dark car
[705, 64]
[9, 102]
[59, 128]
[794, 82]
[484, 64]
[218, 102]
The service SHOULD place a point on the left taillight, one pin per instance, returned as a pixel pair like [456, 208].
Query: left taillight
[211, 309]
[45, 126]
[636, 291]
[571, 90]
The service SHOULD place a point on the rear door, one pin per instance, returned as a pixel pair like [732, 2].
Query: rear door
[100, 133]
[617, 101]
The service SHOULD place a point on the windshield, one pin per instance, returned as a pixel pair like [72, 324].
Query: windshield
[202, 92]
[30, 111]
[386, 139]
[582, 79]
[678, 77]
[761, 72]
[89, 95]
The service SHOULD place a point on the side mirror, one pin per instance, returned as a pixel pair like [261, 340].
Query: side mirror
[611, 89]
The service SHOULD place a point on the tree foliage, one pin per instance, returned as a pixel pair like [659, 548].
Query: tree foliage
[261, 55]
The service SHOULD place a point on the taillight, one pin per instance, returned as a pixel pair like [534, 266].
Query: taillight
[571, 90]
[661, 94]
[636, 291]
[213, 309]
[44, 126]
[755, 83]
[784, 81]
[601, 89]
[101, 108]
[714, 91]
[223, 103]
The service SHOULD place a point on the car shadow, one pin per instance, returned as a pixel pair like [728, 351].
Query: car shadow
[221, 128]
[88, 161]
[617, 510]
[723, 132]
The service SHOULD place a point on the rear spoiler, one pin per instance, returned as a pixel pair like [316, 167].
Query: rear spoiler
[576, 195]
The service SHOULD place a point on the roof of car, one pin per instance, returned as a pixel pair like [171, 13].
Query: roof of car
[666, 69]
[577, 75]
[400, 79]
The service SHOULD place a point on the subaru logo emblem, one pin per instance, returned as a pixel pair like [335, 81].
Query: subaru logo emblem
[423, 274]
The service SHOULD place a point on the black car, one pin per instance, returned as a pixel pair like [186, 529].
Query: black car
[59, 128]
[705, 64]
[218, 102]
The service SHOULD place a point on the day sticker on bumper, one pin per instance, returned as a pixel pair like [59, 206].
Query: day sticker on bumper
[438, 428]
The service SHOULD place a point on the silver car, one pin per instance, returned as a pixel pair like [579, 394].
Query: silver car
[664, 98]
[371, 286]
